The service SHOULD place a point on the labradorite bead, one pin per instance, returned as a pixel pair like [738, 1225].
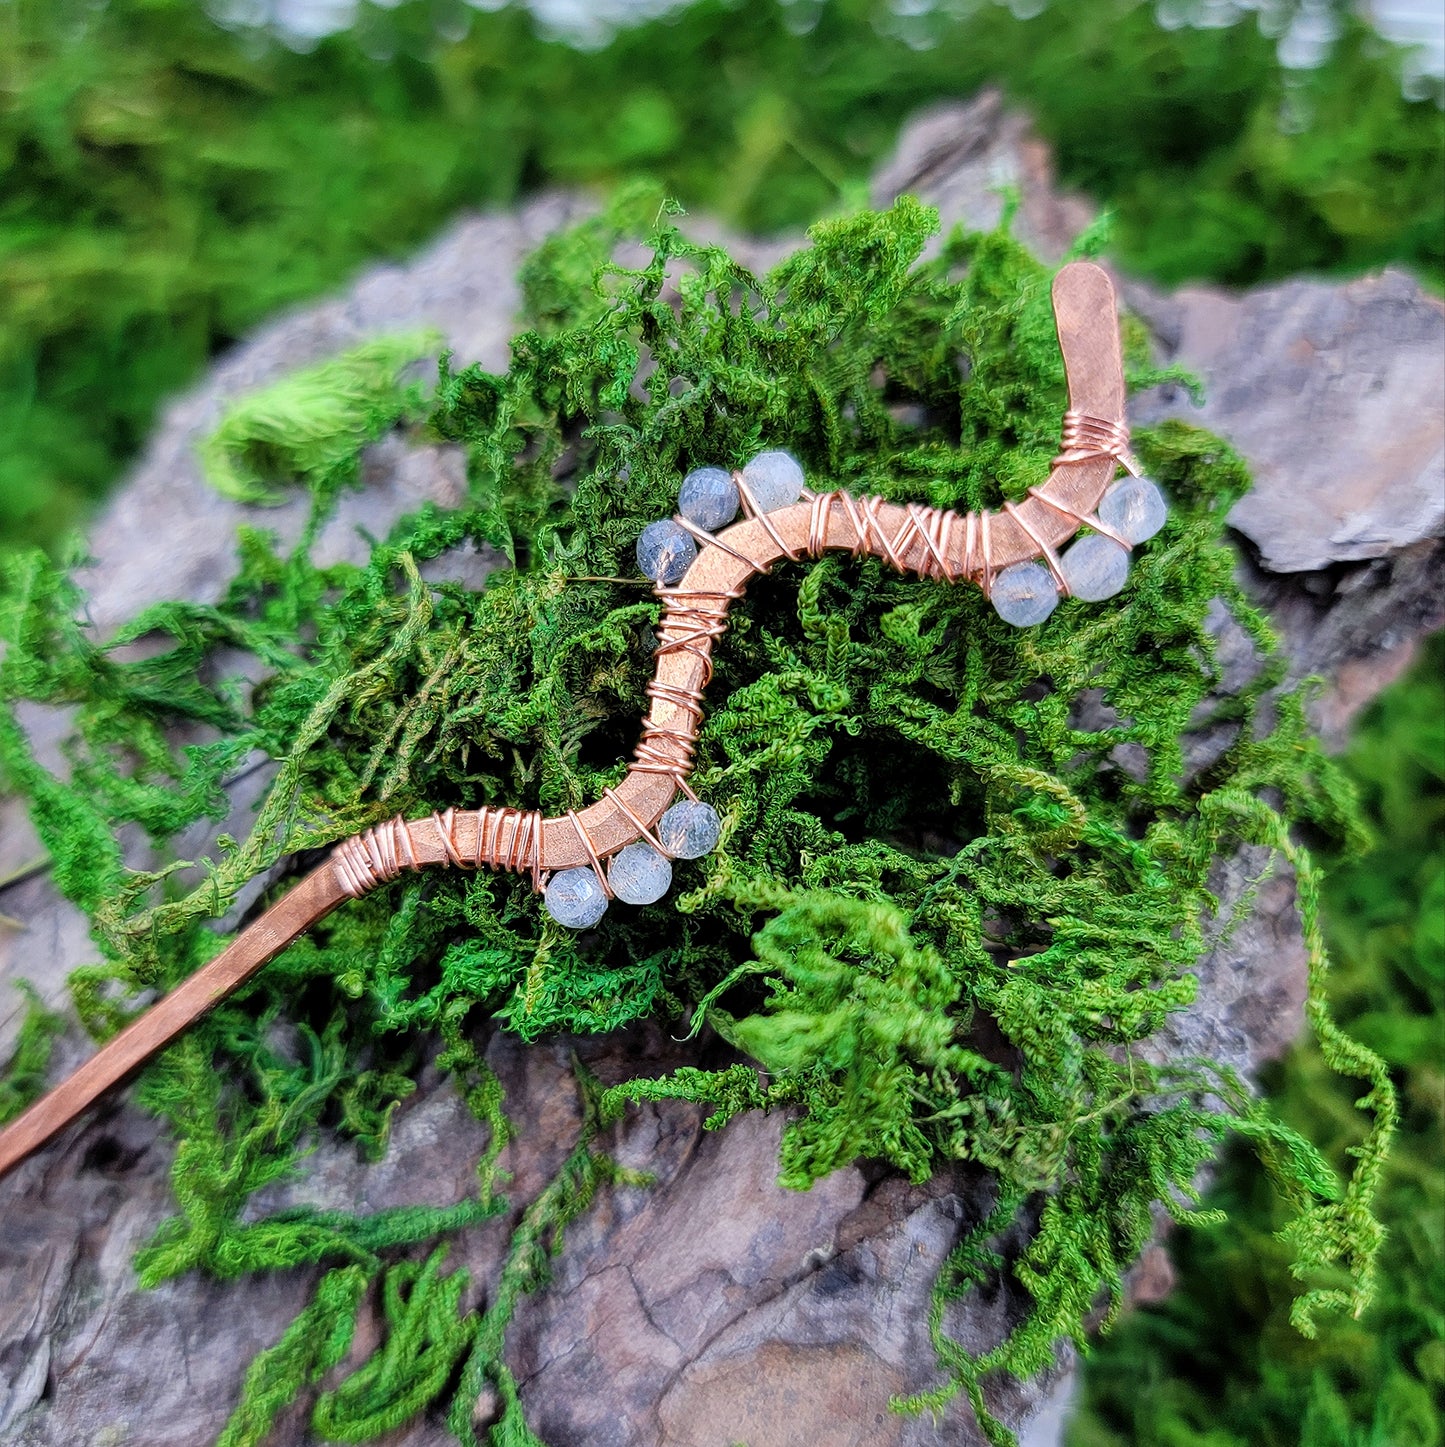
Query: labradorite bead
[775, 479]
[638, 874]
[1135, 509]
[1024, 594]
[574, 898]
[708, 498]
[689, 829]
[665, 552]
[1094, 567]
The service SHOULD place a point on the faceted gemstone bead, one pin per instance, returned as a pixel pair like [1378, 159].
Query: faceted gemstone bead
[574, 898]
[1024, 594]
[1135, 509]
[708, 498]
[689, 829]
[775, 479]
[1094, 567]
[638, 874]
[665, 552]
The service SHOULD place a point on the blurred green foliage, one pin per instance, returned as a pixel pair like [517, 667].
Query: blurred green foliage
[1218, 1365]
[170, 182]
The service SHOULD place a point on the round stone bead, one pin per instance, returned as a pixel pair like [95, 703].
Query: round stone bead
[638, 874]
[1094, 567]
[665, 552]
[1135, 509]
[574, 898]
[775, 479]
[1024, 594]
[708, 498]
[689, 829]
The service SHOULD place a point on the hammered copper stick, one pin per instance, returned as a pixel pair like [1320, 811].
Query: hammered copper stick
[921, 540]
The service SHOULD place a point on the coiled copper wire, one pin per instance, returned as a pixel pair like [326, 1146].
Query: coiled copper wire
[1085, 438]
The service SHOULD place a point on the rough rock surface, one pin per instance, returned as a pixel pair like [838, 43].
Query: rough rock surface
[1332, 391]
[713, 1307]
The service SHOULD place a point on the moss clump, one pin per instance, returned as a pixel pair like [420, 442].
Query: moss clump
[1217, 1362]
[930, 835]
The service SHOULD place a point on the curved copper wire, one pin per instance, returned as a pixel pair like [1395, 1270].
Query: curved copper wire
[914, 539]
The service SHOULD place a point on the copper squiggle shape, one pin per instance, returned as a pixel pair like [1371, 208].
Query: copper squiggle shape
[925, 541]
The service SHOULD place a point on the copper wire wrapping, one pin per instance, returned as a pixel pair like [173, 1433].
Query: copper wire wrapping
[933, 526]
[1088, 520]
[819, 517]
[445, 823]
[985, 548]
[375, 857]
[693, 626]
[612, 796]
[664, 749]
[591, 849]
[757, 514]
[710, 540]
[1085, 438]
[922, 541]
[1051, 558]
[523, 844]
[514, 839]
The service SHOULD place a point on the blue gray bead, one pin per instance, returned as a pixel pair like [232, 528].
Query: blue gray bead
[689, 829]
[1135, 509]
[1094, 567]
[638, 874]
[575, 898]
[1024, 594]
[708, 498]
[665, 552]
[775, 479]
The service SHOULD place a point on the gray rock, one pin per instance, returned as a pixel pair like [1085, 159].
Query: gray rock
[714, 1306]
[965, 156]
[1332, 391]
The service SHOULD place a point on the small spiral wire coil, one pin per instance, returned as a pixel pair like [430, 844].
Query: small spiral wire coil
[1086, 438]
[523, 844]
[664, 749]
[374, 857]
[693, 621]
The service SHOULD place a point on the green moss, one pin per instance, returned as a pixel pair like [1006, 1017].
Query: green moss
[926, 843]
[24, 1075]
[1217, 1363]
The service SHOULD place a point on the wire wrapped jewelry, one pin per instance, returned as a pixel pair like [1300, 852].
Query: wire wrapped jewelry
[701, 562]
